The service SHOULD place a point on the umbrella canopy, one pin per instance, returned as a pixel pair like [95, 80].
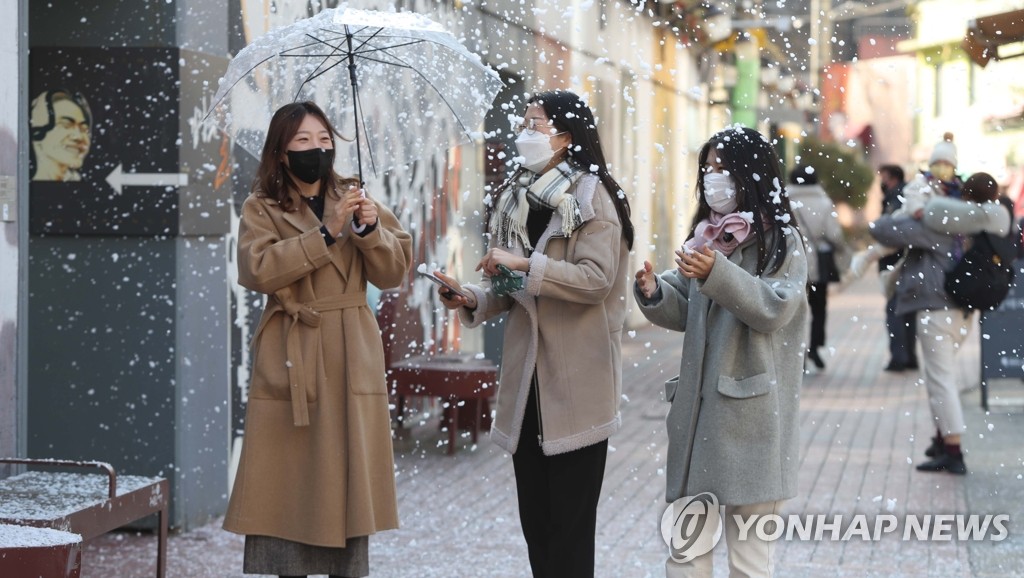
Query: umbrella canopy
[395, 84]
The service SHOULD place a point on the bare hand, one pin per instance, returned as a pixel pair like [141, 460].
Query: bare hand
[695, 264]
[351, 201]
[454, 300]
[494, 257]
[646, 280]
[366, 213]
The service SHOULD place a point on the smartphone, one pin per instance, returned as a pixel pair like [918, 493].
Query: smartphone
[451, 290]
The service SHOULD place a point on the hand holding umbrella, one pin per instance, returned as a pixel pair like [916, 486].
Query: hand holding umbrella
[353, 208]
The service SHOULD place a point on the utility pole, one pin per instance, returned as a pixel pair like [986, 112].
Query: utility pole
[747, 54]
[821, 42]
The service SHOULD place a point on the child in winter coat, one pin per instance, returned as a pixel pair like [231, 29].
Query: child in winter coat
[739, 294]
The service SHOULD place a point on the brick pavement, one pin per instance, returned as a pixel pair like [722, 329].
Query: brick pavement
[861, 432]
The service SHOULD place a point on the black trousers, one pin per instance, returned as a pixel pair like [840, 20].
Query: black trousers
[558, 497]
[817, 299]
[902, 335]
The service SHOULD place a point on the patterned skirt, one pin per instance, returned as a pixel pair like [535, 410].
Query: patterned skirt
[269, 555]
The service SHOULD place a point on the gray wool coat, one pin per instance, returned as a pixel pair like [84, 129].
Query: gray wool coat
[930, 243]
[733, 424]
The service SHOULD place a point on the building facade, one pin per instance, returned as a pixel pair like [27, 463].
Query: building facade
[123, 335]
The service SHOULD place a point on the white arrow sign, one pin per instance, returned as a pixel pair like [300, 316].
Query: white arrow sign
[118, 179]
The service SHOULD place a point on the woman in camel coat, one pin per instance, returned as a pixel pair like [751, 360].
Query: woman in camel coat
[561, 230]
[316, 475]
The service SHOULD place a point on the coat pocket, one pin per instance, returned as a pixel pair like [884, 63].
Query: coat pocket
[670, 388]
[271, 370]
[364, 359]
[747, 387]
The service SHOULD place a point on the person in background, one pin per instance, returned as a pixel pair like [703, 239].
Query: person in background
[738, 292]
[560, 236]
[827, 251]
[942, 165]
[903, 329]
[316, 476]
[934, 240]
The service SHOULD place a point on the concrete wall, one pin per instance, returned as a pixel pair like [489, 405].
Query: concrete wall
[12, 211]
[129, 313]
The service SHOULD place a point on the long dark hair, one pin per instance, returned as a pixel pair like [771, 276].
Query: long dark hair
[272, 178]
[757, 172]
[568, 113]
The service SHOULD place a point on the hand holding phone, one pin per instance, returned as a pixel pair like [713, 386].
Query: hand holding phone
[450, 289]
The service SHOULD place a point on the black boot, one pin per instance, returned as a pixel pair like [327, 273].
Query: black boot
[812, 354]
[937, 448]
[946, 462]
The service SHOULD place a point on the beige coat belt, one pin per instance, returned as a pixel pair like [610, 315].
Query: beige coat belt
[308, 314]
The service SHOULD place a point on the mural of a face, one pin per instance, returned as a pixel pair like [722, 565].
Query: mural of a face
[60, 151]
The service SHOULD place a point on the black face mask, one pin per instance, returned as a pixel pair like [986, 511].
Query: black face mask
[311, 165]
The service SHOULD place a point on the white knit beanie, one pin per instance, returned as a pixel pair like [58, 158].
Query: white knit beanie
[944, 150]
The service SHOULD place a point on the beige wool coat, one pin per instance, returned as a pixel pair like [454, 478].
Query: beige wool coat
[567, 324]
[316, 464]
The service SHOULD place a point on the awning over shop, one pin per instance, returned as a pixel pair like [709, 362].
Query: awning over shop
[986, 35]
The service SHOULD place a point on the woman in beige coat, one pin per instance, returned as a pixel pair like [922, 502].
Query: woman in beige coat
[316, 476]
[560, 239]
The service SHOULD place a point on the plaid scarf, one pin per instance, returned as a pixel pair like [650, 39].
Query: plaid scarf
[550, 190]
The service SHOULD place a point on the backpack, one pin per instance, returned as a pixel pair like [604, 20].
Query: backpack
[982, 277]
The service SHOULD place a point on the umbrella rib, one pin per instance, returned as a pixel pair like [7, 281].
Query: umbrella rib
[338, 50]
[327, 42]
[358, 55]
[439, 93]
[301, 46]
[400, 63]
[364, 41]
[240, 78]
[369, 149]
[324, 71]
[378, 49]
[377, 60]
[314, 75]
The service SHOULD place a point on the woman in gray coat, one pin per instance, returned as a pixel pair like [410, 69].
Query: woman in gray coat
[738, 293]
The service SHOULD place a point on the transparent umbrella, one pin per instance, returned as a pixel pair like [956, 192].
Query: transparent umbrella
[395, 84]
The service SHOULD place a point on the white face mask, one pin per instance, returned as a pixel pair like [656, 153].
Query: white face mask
[720, 192]
[535, 149]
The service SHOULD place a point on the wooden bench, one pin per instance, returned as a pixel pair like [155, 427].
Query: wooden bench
[464, 382]
[31, 552]
[87, 504]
